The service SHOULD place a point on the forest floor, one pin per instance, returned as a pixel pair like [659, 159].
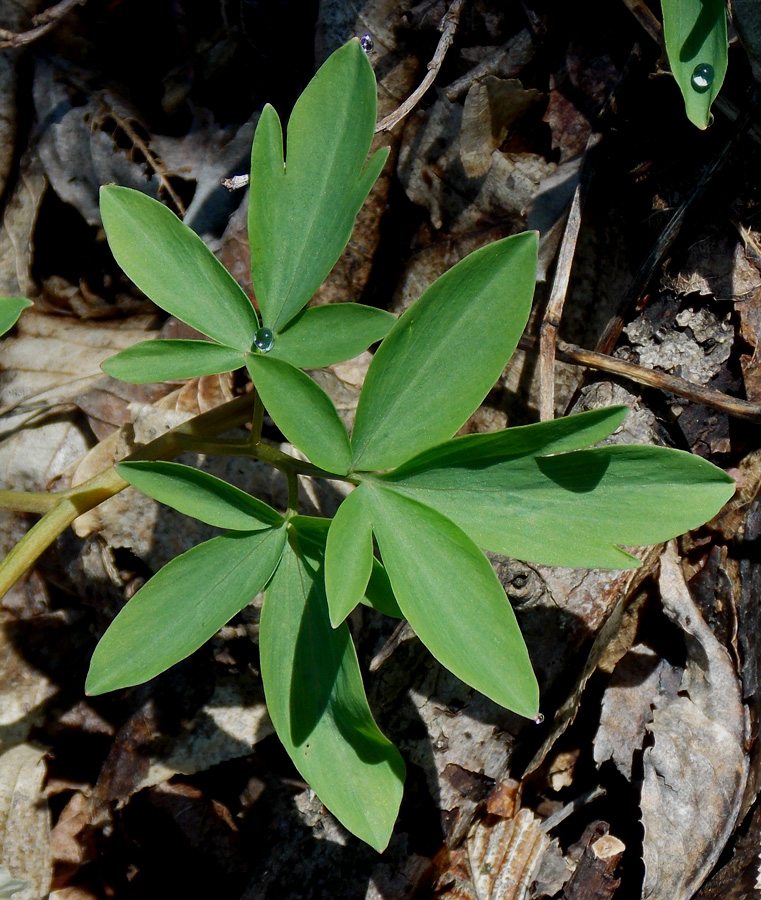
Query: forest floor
[642, 779]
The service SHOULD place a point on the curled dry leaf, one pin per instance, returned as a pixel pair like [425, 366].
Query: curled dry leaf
[695, 771]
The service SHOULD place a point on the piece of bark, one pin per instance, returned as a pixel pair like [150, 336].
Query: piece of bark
[595, 876]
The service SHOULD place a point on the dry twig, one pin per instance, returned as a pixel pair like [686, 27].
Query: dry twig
[447, 27]
[41, 25]
[680, 387]
[554, 310]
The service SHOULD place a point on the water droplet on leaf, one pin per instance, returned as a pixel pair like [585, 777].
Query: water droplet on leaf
[702, 77]
[263, 340]
[539, 719]
[366, 42]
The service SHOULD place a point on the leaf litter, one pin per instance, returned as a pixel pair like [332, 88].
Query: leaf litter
[475, 163]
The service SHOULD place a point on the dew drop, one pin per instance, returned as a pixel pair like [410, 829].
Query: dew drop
[702, 77]
[263, 340]
[539, 719]
[366, 42]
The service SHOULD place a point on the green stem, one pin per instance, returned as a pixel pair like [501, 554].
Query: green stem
[197, 435]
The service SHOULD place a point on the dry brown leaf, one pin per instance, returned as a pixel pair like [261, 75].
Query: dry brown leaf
[639, 682]
[695, 771]
[16, 233]
[24, 691]
[25, 819]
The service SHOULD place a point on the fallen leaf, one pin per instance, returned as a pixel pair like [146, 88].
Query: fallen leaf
[696, 768]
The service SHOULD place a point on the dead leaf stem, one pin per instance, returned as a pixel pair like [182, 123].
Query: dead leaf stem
[448, 28]
[41, 25]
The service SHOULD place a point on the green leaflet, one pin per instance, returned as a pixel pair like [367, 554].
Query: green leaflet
[378, 594]
[10, 309]
[571, 509]
[174, 267]
[167, 360]
[302, 209]
[316, 699]
[324, 335]
[695, 34]
[199, 495]
[444, 354]
[302, 411]
[182, 606]
[348, 556]
[476, 451]
[448, 592]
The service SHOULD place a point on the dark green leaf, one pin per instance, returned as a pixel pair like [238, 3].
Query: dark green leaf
[379, 594]
[325, 335]
[444, 354]
[302, 211]
[317, 702]
[453, 600]
[167, 360]
[10, 309]
[574, 508]
[695, 34]
[348, 557]
[199, 495]
[182, 606]
[174, 267]
[302, 411]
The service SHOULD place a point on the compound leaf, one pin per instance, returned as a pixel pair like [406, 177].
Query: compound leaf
[174, 267]
[199, 495]
[10, 310]
[324, 335]
[167, 360]
[302, 209]
[571, 509]
[348, 556]
[448, 592]
[182, 606]
[695, 34]
[302, 411]
[316, 699]
[444, 354]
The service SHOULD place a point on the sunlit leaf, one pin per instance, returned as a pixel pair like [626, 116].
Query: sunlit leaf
[10, 309]
[444, 354]
[302, 209]
[571, 509]
[302, 411]
[182, 606]
[324, 335]
[451, 597]
[695, 34]
[166, 360]
[199, 495]
[478, 451]
[316, 699]
[174, 267]
[348, 556]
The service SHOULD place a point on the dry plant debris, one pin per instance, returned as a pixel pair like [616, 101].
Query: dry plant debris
[643, 779]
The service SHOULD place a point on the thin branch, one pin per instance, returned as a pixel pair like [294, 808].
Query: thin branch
[554, 310]
[447, 27]
[41, 25]
[680, 387]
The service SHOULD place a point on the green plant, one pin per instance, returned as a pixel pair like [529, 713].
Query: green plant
[431, 501]
[695, 34]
